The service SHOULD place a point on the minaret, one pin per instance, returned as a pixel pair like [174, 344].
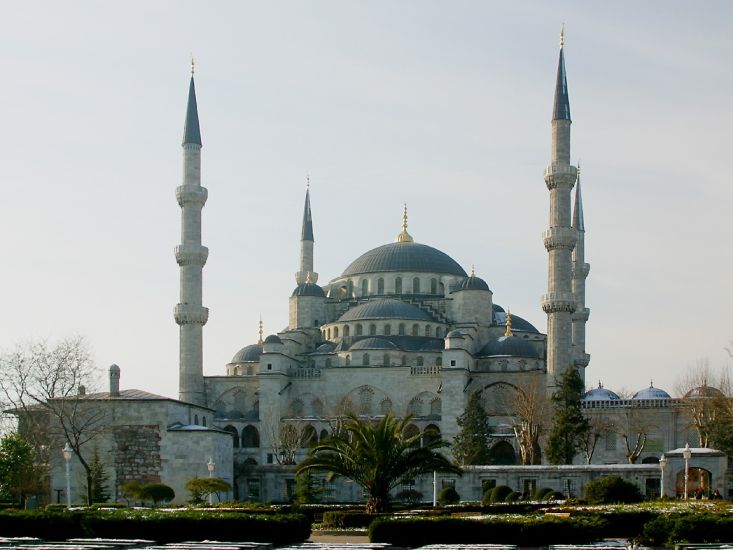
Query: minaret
[559, 239]
[306, 242]
[190, 315]
[580, 273]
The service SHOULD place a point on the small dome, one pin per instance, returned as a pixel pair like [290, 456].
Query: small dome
[600, 394]
[248, 354]
[651, 393]
[510, 346]
[373, 343]
[472, 283]
[404, 257]
[518, 324]
[455, 334]
[309, 289]
[273, 339]
[326, 347]
[704, 391]
[385, 308]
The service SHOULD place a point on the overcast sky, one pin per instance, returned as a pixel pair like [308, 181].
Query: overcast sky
[443, 105]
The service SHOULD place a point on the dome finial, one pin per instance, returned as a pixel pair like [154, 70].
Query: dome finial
[193, 65]
[309, 278]
[260, 340]
[404, 236]
[473, 270]
[307, 181]
[562, 36]
[508, 323]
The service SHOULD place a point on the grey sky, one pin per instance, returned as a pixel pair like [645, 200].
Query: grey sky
[444, 105]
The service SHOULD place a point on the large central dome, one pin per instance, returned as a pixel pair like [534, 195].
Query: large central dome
[404, 256]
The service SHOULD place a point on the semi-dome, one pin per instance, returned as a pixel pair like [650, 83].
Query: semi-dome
[373, 343]
[472, 283]
[309, 289]
[704, 391]
[510, 346]
[600, 394]
[385, 308]
[455, 334]
[407, 257]
[326, 347]
[273, 339]
[248, 354]
[651, 393]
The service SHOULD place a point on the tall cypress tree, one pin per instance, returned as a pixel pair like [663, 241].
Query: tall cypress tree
[569, 426]
[99, 477]
[471, 444]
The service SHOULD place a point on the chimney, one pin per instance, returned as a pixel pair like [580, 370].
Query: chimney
[114, 381]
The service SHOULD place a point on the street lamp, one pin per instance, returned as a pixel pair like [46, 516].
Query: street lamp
[210, 465]
[662, 465]
[67, 457]
[687, 454]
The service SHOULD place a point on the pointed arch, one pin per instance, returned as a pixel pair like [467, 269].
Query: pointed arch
[250, 436]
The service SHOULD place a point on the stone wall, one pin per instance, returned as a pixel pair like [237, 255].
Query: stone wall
[136, 453]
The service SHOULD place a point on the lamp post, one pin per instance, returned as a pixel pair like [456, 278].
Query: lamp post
[210, 465]
[435, 488]
[67, 457]
[687, 454]
[662, 465]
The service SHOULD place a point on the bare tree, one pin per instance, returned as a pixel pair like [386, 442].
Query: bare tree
[286, 437]
[44, 387]
[632, 425]
[600, 425]
[701, 398]
[528, 404]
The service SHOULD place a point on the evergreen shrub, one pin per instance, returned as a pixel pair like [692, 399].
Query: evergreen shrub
[513, 497]
[344, 520]
[695, 528]
[540, 493]
[499, 493]
[611, 490]
[448, 495]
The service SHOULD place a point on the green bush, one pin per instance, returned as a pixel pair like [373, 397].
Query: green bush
[695, 528]
[499, 493]
[448, 495]
[611, 490]
[554, 495]
[516, 531]
[410, 496]
[156, 492]
[163, 527]
[540, 493]
[344, 520]
[512, 497]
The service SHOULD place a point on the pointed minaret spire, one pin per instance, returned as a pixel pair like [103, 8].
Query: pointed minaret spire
[508, 323]
[191, 130]
[561, 109]
[261, 340]
[306, 240]
[404, 236]
[578, 222]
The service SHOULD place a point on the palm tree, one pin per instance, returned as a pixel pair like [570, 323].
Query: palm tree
[377, 455]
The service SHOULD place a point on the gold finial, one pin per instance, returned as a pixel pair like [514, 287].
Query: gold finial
[562, 36]
[473, 270]
[577, 169]
[193, 65]
[307, 181]
[260, 341]
[404, 236]
[508, 323]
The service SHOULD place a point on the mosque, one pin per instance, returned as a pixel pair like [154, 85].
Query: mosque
[404, 329]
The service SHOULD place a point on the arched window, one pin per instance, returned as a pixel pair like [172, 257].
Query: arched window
[416, 285]
[441, 287]
[387, 329]
[412, 431]
[350, 288]
[401, 329]
[358, 329]
[364, 287]
[415, 329]
[348, 360]
[297, 408]
[385, 406]
[250, 437]
[250, 371]
[430, 434]
[433, 286]
[386, 359]
[347, 331]
[203, 422]
[235, 435]
[398, 285]
[380, 286]
[435, 407]
[310, 436]
[328, 334]
[438, 332]
[324, 434]
[439, 361]
[404, 360]
[335, 332]
[428, 330]
[420, 361]
[365, 359]
[195, 420]
[328, 363]
[372, 329]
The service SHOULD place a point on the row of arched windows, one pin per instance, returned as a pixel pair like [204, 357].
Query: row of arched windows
[399, 286]
[402, 329]
[387, 360]
[250, 436]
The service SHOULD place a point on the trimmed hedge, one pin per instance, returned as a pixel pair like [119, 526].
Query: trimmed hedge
[349, 519]
[697, 528]
[522, 531]
[612, 490]
[163, 527]
[448, 495]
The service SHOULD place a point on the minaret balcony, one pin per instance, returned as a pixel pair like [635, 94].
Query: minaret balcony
[191, 254]
[554, 302]
[560, 237]
[582, 272]
[191, 195]
[188, 314]
[581, 314]
[559, 173]
[582, 360]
